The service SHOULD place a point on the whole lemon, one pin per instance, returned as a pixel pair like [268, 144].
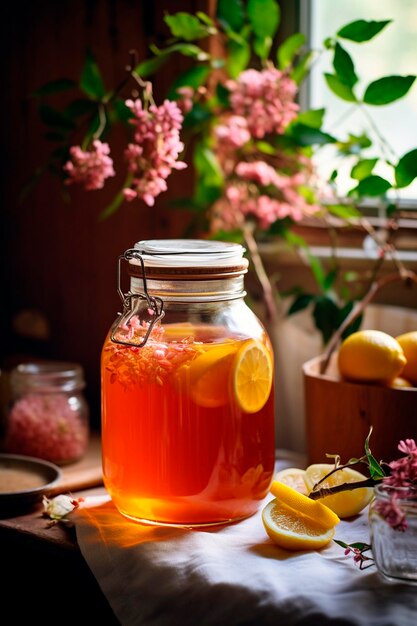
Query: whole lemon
[370, 356]
[408, 342]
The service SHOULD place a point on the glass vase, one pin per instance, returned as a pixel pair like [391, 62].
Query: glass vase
[394, 549]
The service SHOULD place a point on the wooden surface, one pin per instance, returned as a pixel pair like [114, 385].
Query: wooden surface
[339, 415]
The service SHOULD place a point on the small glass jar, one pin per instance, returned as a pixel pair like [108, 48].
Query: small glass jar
[394, 550]
[187, 389]
[48, 417]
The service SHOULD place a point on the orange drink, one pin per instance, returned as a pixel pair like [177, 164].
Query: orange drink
[188, 425]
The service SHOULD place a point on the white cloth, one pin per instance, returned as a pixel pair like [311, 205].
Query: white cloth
[234, 575]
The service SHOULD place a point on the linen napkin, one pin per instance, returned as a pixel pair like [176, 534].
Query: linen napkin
[233, 575]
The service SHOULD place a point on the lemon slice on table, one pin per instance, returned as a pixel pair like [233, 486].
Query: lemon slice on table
[295, 522]
[319, 513]
[252, 379]
[345, 503]
[293, 531]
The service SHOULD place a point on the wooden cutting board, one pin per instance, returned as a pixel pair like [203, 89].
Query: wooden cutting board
[84, 473]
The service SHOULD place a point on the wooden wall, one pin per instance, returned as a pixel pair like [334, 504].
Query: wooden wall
[57, 258]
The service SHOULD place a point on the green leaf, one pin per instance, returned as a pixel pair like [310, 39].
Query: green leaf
[345, 211]
[203, 17]
[326, 316]
[207, 165]
[362, 30]
[91, 81]
[300, 303]
[317, 269]
[55, 119]
[300, 70]
[406, 170]
[363, 168]
[55, 86]
[186, 26]
[287, 50]
[387, 89]
[264, 16]
[194, 77]
[123, 113]
[231, 13]
[329, 280]
[150, 66]
[340, 88]
[198, 116]
[265, 147]
[312, 118]
[372, 186]
[308, 136]
[343, 66]
[187, 49]
[354, 325]
[375, 469]
[238, 57]
[262, 46]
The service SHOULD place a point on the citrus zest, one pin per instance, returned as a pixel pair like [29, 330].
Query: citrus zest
[292, 531]
[301, 504]
[253, 373]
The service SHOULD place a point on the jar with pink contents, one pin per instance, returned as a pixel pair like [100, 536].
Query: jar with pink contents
[48, 417]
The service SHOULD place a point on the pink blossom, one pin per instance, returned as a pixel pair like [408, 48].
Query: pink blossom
[90, 167]
[233, 131]
[260, 172]
[408, 446]
[185, 101]
[156, 149]
[265, 99]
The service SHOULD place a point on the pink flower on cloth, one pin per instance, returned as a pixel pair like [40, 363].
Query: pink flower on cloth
[265, 99]
[154, 153]
[89, 168]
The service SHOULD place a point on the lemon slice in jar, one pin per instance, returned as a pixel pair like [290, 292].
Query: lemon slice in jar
[252, 378]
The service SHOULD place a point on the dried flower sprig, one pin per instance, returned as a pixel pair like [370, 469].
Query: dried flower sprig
[357, 550]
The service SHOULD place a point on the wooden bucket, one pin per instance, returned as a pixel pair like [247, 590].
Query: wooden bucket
[339, 415]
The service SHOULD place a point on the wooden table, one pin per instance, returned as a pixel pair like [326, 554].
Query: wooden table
[43, 565]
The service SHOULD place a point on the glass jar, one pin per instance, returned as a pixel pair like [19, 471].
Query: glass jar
[48, 417]
[394, 550]
[187, 389]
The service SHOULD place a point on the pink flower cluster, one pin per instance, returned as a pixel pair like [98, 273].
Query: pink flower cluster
[89, 168]
[264, 99]
[245, 197]
[47, 427]
[401, 484]
[154, 153]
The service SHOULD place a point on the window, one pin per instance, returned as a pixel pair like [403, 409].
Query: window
[392, 51]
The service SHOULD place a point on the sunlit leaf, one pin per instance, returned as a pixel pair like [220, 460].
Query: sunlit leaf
[344, 211]
[238, 57]
[312, 118]
[406, 170]
[150, 66]
[288, 49]
[372, 186]
[387, 89]
[300, 70]
[340, 88]
[231, 13]
[362, 30]
[363, 168]
[308, 136]
[264, 16]
[343, 66]
[186, 26]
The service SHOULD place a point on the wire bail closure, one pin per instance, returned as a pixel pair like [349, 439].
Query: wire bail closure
[133, 304]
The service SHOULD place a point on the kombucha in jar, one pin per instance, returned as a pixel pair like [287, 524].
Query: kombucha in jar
[187, 389]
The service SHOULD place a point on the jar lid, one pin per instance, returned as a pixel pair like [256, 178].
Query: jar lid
[191, 256]
[47, 377]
